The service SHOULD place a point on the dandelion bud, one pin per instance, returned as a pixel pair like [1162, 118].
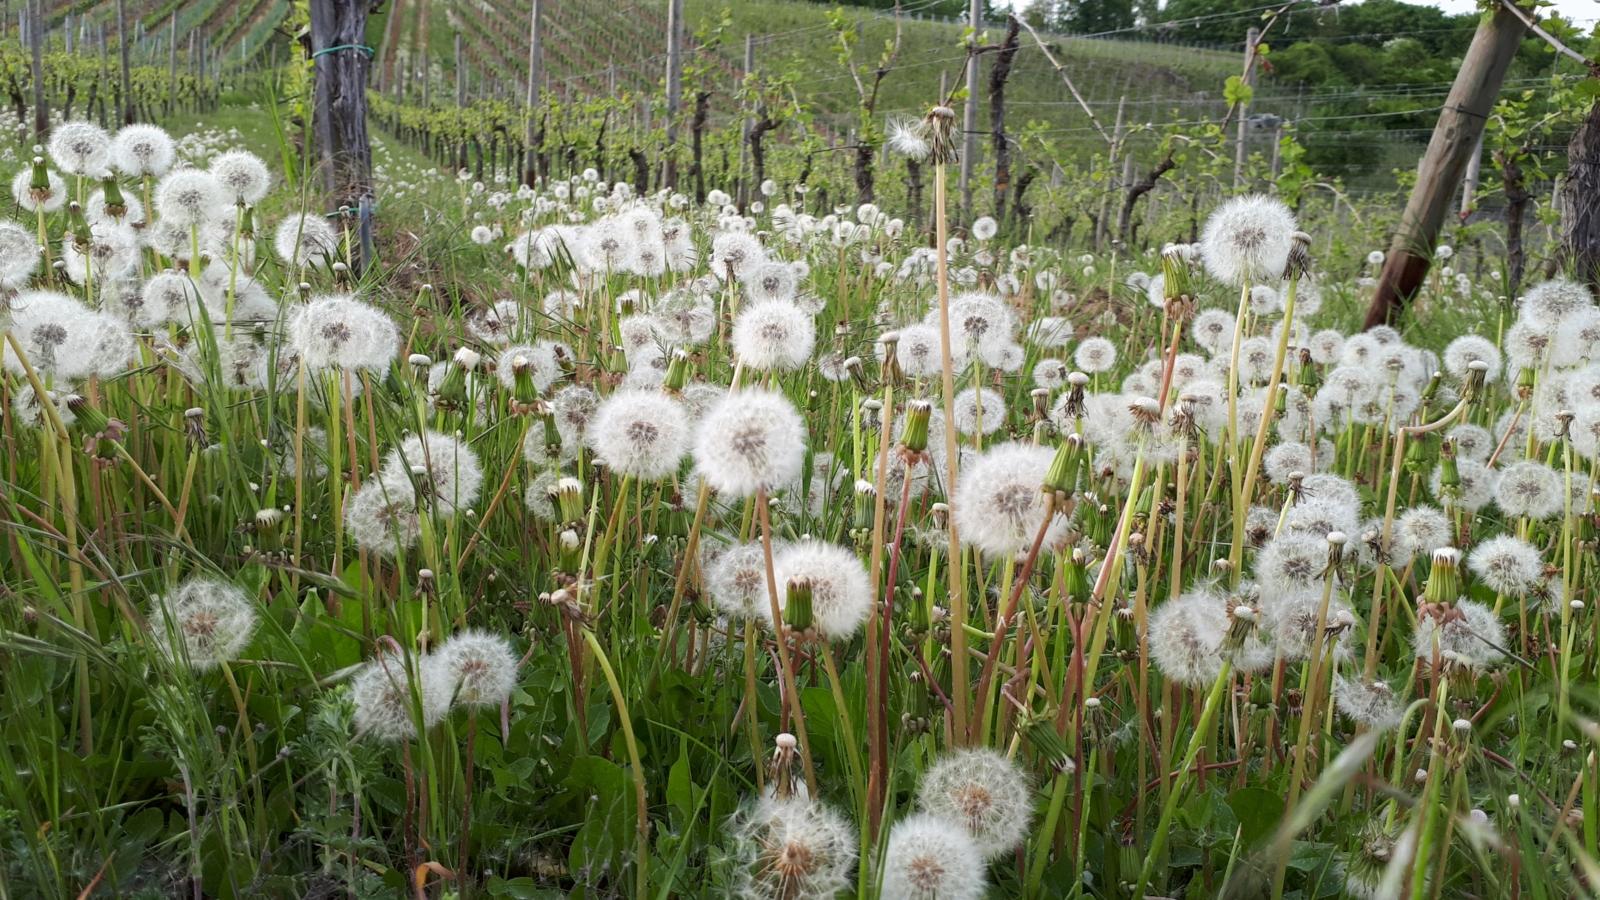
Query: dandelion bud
[1514, 801]
[914, 438]
[1444, 579]
[1417, 455]
[267, 524]
[1420, 776]
[247, 220]
[195, 425]
[1477, 374]
[1062, 476]
[1041, 403]
[90, 419]
[1175, 279]
[1576, 606]
[939, 126]
[1299, 261]
[420, 361]
[677, 372]
[568, 492]
[1462, 726]
[1075, 577]
[858, 372]
[1040, 731]
[1241, 623]
[1336, 542]
[865, 494]
[1525, 382]
[523, 391]
[797, 612]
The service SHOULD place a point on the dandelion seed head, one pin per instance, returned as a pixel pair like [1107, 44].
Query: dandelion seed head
[1507, 565]
[774, 335]
[642, 433]
[1248, 239]
[480, 667]
[792, 848]
[930, 858]
[750, 440]
[999, 505]
[841, 592]
[382, 693]
[209, 620]
[1186, 637]
[982, 791]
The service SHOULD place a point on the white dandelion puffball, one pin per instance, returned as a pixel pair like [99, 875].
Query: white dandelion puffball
[1371, 704]
[772, 280]
[999, 504]
[1095, 355]
[19, 255]
[64, 338]
[979, 411]
[143, 150]
[480, 667]
[982, 791]
[382, 516]
[985, 228]
[384, 707]
[774, 335]
[1186, 637]
[306, 240]
[793, 848]
[1470, 636]
[191, 197]
[929, 858]
[1248, 239]
[918, 351]
[749, 441]
[737, 582]
[642, 433]
[1551, 303]
[451, 474]
[340, 331]
[243, 176]
[1507, 564]
[736, 252]
[1467, 349]
[80, 148]
[211, 620]
[1529, 489]
[841, 592]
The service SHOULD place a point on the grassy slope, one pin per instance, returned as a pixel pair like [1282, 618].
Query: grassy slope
[1102, 69]
[1167, 81]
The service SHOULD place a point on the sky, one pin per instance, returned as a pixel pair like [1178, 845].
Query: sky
[1581, 11]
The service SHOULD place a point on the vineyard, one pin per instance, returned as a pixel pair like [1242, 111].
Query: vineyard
[665, 448]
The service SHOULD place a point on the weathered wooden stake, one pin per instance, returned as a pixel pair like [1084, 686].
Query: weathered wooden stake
[338, 33]
[1461, 121]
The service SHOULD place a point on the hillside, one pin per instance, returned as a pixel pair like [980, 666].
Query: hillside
[613, 47]
[229, 33]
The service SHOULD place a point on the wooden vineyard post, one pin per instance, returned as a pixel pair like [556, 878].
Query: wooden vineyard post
[1455, 137]
[531, 153]
[342, 60]
[674, 87]
[1580, 200]
[124, 99]
[1242, 142]
[969, 113]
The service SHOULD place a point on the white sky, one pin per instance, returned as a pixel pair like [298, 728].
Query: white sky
[1583, 12]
